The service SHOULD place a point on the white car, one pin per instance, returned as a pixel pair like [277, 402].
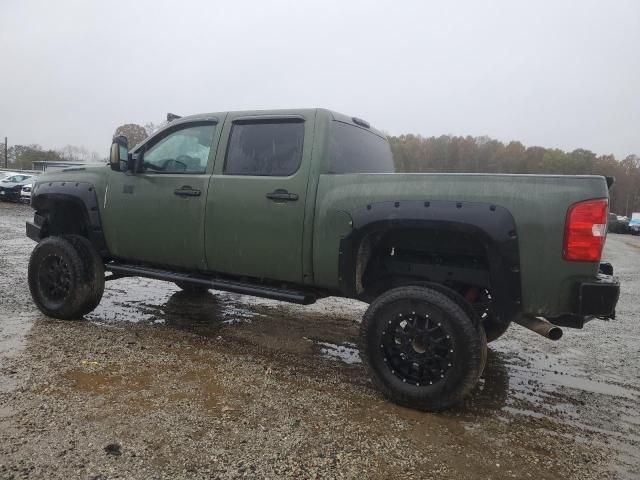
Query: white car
[25, 193]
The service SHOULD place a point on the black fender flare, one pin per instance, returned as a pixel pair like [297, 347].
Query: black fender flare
[492, 225]
[83, 194]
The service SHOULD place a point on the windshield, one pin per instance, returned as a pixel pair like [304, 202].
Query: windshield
[16, 178]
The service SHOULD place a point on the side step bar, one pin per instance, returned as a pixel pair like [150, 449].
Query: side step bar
[284, 295]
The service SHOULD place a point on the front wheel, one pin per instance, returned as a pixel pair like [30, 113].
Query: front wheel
[62, 278]
[422, 348]
[94, 269]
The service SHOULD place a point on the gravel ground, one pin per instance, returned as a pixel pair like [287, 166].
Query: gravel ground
[157, 384]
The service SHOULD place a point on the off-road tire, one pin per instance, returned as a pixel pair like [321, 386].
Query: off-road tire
[192, 287]
[61, 279]
[463, 366]
[458, 299]
[95, 270]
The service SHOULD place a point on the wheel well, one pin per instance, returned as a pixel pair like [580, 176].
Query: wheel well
[464, 246]
[64, 217]
[456, 259]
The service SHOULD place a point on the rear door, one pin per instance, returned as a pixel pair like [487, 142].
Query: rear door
[256, 203]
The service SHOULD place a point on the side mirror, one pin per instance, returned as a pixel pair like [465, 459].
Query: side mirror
[119, 153]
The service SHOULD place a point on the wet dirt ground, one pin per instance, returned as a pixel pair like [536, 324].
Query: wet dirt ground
[156, 383]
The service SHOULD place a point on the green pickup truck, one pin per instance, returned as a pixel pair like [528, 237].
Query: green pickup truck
[296, 205]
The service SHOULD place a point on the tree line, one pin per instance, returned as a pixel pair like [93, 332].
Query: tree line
[21, 157]
[447, 154]
[415, 153]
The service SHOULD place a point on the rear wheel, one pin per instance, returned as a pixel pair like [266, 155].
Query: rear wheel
[192, 287]
[62, 279]
[422, 348]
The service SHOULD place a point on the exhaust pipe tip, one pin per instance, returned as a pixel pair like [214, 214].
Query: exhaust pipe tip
[555, 333]
[540, 326]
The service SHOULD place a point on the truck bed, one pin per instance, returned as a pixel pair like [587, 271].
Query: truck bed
[538, 204]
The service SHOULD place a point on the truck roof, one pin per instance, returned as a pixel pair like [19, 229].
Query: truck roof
[358, 122]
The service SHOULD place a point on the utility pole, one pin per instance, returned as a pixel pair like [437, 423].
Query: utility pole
[6, 157]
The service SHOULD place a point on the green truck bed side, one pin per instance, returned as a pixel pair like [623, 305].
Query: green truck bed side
[538, 204]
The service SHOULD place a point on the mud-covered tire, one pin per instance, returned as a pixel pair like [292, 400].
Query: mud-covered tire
[60, 279]
[95, 270]
[191, 287]
[493, 329]
[448, 374]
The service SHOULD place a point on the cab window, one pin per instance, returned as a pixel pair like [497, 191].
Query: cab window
[358, 150]
[267, 148]
[183, 151]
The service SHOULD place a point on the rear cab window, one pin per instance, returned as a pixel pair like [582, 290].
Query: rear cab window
[354, 149]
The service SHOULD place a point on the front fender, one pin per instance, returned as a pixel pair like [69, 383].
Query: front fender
[48, 196]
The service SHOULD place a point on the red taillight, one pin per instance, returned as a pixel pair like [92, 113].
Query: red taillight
[585, 231]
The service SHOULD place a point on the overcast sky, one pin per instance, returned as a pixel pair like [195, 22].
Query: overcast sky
[550, 73]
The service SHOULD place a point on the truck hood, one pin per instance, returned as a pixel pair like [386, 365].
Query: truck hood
[96, 176]
[75, 174]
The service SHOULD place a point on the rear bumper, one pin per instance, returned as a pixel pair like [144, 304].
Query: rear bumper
[599, 297]
[595, 298]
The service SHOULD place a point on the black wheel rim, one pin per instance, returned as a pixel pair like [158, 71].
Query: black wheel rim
[54, 278]
[417, 346]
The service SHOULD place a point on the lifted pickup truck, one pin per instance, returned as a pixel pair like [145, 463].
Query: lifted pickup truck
[296, 205]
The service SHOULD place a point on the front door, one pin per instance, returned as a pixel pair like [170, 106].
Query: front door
[157, 216]
[256, 204]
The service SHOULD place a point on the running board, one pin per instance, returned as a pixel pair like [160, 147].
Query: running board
[282, 294]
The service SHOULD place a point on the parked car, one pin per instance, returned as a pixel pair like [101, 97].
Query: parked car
[11, 187]
[618, 223]
[296, 205]
[634, 223]
[25, 193]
